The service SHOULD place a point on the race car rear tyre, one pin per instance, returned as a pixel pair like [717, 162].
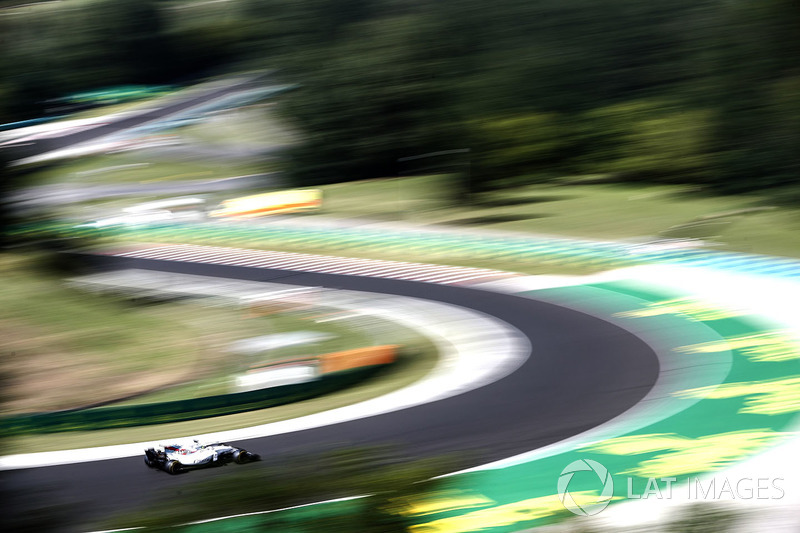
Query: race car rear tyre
[173, 467]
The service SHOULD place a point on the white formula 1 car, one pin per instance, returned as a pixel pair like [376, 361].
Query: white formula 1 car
[177, 458]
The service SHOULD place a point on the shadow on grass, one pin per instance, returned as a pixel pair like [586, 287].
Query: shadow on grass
[492, 219]
[788, 196]
[384, 478]
[711, 225]
[510, 202]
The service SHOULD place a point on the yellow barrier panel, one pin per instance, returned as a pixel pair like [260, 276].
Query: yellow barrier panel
[271, 203]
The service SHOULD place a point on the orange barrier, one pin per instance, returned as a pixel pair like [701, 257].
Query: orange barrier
[357, 358]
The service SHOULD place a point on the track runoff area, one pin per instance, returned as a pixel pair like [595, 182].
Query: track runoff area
[646, 389]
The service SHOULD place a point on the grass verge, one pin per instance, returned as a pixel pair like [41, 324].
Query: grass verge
[63, 348]
[605, 211]
[406, 371]
[138, 168]
[599, 211]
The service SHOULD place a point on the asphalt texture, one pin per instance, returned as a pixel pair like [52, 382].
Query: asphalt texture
[582, 372]
[175, 105]
[44, 196]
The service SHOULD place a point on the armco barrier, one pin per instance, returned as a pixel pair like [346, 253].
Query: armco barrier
[181, 410]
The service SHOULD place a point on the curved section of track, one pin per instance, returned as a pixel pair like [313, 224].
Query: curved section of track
[582, 372]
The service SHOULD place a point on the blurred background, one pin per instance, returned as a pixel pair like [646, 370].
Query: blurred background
[174, 120]
[700, 92]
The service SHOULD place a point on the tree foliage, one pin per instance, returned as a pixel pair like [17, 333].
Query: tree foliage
[518, 148]
[370, 99]
[703, 91]
[648, 140]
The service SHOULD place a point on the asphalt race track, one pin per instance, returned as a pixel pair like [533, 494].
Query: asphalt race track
[582, 372]
[41, 146]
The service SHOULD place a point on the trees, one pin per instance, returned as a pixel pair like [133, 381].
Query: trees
[648, 140]
[710, 85]
[371, 97]
[755, 80]
[532, 89]
[517, 149]
[51, 53]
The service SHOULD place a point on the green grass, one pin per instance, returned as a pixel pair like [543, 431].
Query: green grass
[601, 211]
[356, 332]
[59, 341]
[137, 167]
[64, 348]
[255, 126]
[570, 208]
[252, 125]
[406, 371]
